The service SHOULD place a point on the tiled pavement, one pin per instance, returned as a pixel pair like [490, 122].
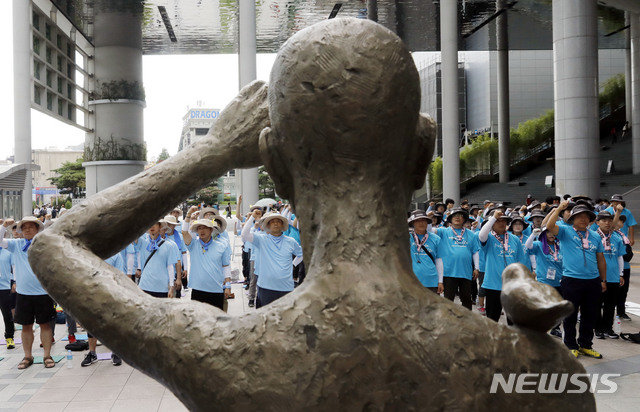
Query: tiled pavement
[104, 387]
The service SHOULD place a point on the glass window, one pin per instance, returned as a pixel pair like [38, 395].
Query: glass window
[59, 42]
[70, 112]
[36, 44]
[70, 91]
[36, 95]
[37, 68]
[49, 55]
[47, 31]
[60, 64]
[70, 50]
[35, 20]
[60, 107]
[49, 101]
[60, 85]
[49, 78]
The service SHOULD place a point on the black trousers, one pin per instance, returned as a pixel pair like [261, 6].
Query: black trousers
[585, 296]
[492, 304]
[214, 299]
[622, 293]
[245, 266]
[608, 302]
[7, 302]
[266, 296]
[458, 285]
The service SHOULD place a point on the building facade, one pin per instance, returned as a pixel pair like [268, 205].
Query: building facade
[48, 160]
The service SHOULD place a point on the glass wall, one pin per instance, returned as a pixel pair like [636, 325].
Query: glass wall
[11, 204]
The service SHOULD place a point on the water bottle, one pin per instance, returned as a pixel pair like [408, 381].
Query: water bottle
[617, 326]
[69, 359]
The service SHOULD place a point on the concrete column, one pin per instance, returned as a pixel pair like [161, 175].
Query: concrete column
[22, 94]
[504, 137]
[635, 85]
[575, 63]
[627, 72]
[247, 67]
[450, 114]
[114, 151]
[372, 10]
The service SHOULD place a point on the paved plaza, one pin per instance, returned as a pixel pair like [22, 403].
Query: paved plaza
[104, 387]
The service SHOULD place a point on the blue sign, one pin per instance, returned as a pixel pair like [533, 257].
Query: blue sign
[45, 191]
[204, 113]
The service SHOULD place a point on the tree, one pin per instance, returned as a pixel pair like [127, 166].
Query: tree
[164, 155]
[266, 186]
[208, 195]
[70, 178]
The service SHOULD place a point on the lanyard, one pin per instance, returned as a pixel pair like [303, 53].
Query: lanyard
[606, 240]
[554, 249]
[459, 237]
[503, 244]
[419, 243]
[585, 244]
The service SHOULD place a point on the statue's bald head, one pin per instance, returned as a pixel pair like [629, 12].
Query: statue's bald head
[343, 93]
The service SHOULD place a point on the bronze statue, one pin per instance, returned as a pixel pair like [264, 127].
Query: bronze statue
[343, 140]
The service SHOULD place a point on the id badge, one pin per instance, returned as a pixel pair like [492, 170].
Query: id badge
[551, 274]
[585, 243]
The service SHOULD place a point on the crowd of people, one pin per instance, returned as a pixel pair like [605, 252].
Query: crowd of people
[179, 253]
[578, 246]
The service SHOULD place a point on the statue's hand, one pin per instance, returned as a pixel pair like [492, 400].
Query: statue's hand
[240, 123]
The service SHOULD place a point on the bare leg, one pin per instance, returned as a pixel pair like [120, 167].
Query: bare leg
[27, 340]
[93, 343]
[46, 335]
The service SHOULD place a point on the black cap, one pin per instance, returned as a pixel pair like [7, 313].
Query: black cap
[581, 209]
[458, 210]
[417, 215]
[604, 215]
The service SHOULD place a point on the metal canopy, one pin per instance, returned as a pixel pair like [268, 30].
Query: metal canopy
[211, 26]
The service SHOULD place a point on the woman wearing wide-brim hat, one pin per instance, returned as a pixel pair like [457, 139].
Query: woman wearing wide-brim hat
[423, 246]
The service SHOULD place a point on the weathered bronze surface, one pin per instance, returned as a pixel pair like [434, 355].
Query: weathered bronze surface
[347, 146]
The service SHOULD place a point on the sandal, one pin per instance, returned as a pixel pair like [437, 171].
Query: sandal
[47, 364]
[25, 363]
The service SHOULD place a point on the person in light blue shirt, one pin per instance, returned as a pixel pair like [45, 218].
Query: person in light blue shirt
[458, 249]
[7, 295]
[517, 228]
[128, 255]
[174, 237]
[546, 262]
[628, 229]
[501, 249]
[275, 252]
[32, 301]
[117, 262]
[427, 266]
[614, 249]
[584, 272]
[210, 259]
[156, 260]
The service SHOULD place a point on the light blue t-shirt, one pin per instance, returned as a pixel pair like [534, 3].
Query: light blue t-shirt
[497, 259]
[482, 260]
[206, 265]
[26, 281]
[129, 250]
[117, 262]
[175, 250]
[178, 239]
[579, 262]
[423, 267]
[294, 233]
[5, 269]
[522, 239]
[456, 250]
[155, 277]
[548, 267]
[276, 261]
[631, 221]
[611, 256]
